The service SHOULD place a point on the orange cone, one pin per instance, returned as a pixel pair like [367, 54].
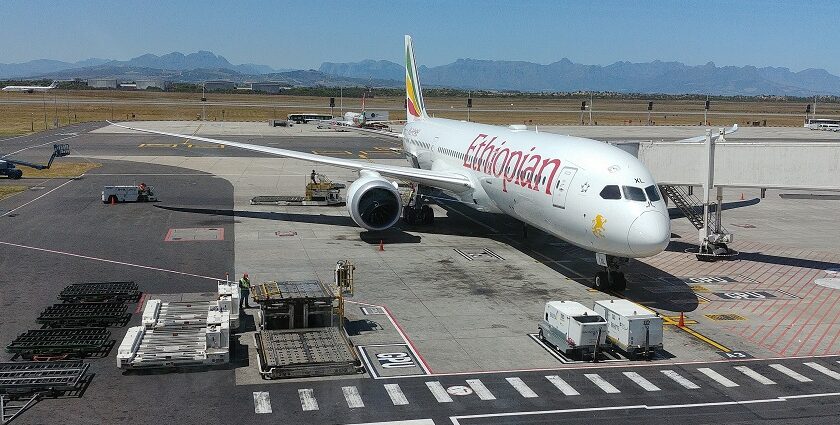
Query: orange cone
[113, 200]
[742, 196]
[682, 320]
[381, 245]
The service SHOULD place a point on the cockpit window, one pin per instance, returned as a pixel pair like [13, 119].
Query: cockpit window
[611, 192]
[634, 193]
[652, 193]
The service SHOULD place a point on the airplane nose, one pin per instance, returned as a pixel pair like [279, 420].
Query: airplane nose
[649, 234]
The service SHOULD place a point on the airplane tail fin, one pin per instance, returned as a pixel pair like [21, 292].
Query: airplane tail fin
[415, 108]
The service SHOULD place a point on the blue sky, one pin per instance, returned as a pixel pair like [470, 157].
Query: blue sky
[302, 34]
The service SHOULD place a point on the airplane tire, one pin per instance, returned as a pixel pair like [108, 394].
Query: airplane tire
[619, 282]
[409, 216]
[602, 282]
[428, 214]
[540, 335]
[16, 174]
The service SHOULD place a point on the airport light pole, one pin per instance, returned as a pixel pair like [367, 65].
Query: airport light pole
[590, 108]
[469, 104]
[706, 111]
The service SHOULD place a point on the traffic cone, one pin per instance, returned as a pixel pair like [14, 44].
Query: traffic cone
[381, 245]
[742, 196]
[682, 320]
[113, 200]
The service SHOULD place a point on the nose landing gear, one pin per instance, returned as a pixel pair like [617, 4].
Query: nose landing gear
[613, 277]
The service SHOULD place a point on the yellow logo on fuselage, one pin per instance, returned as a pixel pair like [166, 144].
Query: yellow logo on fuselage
[598, 225]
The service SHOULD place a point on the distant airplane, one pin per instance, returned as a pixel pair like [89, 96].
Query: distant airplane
[30, 89]
[589, 193]
[353, 119]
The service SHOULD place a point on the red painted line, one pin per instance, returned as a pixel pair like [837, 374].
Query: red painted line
[793, 274]
[168, 237]
[140, 303]
[795, 320]
[105, 260]
[821, 321]
[831, 344]
[801, 278]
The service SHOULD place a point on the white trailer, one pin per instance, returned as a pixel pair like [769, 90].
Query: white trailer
[139, 193]
[632, 328]
[572, 328]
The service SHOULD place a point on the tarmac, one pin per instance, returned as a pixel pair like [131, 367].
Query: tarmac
[460, 298]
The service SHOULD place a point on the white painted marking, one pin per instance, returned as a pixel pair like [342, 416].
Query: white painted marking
[717, 377]
[396, 394]
[521, 387]
[822, 369]
[795, 375]
[480, 390]
[439, 392]
[680, 379]
[409, 422]
[27, 203]
[460, 390]
[641, 381]
[354, 400]
[262, 402]
[601, 383]
[307, 400]
[755, 375]
[561, 385]
[455, 419]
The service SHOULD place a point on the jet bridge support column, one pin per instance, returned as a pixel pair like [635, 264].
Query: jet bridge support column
[713, 237]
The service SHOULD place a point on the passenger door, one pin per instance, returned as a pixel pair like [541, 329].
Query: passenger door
[561, 188]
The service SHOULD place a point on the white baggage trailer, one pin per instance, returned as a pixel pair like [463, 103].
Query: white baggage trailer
[631, 327]
[573, 329]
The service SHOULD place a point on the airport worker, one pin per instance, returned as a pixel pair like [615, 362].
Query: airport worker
[312, 176]
[244, 291]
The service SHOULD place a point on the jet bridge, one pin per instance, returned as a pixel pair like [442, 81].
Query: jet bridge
[715, 163]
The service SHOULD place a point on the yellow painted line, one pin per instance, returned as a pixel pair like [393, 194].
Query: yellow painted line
[669, 320]
[333, 153]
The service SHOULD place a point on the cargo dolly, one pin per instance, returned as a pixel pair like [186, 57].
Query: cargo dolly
[38, 344]
[22, 384]
[101, 291]
[71, 315]
[299, 353]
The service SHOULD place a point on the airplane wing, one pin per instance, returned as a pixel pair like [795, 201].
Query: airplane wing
[372, 131]
[452, 181]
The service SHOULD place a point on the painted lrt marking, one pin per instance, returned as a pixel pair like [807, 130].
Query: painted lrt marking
[720, 379]
[822, 369]
[307, 400]
[396, 394]
[480, 390]
[755, 375]
[262, 402]
[521, 387]
[642, 382]
[439, 392]
[562, 385]
[680, 380]
[795, 375]
[354, 399]
[601, 383]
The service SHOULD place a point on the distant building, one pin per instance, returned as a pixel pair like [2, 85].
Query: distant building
[146, 84]
[102, 83]
[218, 85]
[266, 87]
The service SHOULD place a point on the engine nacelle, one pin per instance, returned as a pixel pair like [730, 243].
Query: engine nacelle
[374, 203]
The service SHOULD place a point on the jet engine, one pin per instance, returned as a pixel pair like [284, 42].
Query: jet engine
[374, 203]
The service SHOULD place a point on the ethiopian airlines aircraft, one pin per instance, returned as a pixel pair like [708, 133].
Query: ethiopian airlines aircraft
[586, 192]
[30, 89]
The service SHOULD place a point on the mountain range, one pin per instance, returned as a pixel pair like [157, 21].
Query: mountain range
[561, 76]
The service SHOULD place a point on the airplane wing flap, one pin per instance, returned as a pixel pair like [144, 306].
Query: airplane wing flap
[444, 180]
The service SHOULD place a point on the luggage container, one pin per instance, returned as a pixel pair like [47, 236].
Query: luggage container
[631, 328]
[573, 329]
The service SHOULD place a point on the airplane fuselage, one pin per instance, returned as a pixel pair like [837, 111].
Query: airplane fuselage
[552, 182]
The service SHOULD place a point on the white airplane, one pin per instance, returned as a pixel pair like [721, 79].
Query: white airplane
[353, 119]
[30, 89]
[588, 193]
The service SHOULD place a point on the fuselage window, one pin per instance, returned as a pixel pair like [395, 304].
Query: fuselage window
[634, 193]
[652, 193]
[611, 192]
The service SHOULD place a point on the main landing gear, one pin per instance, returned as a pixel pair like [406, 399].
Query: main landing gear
[417, 211]
[613, 277]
